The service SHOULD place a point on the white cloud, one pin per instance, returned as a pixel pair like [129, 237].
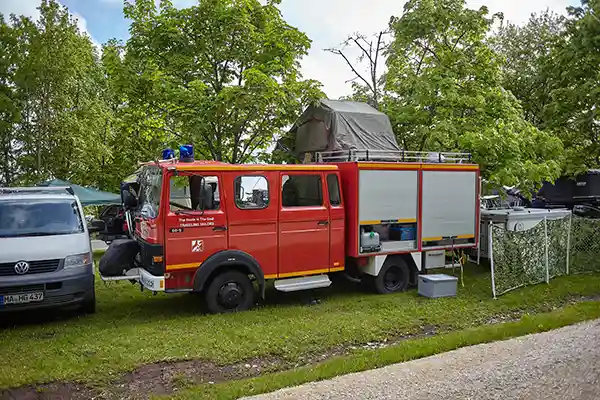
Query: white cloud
[329, 22]
[20, 7]
[29, 9]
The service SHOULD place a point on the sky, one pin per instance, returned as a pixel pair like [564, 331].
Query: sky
[326, 22]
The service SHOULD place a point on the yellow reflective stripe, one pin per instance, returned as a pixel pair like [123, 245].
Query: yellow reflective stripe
[174, 267]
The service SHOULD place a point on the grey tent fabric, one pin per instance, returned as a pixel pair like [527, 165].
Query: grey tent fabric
[333, 125]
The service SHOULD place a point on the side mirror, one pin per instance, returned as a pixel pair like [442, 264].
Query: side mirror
[129, 200]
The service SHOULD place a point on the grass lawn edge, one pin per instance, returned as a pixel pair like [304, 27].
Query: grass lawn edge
[411, 349]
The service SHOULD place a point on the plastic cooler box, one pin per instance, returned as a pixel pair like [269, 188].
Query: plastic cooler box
[437, 285]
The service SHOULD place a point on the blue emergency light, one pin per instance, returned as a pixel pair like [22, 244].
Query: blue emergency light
[168, 154]
[186, 153]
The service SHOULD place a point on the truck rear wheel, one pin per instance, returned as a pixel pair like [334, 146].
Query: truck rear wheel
[230, 291]
[394, 276]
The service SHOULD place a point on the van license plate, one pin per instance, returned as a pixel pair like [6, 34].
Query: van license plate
[21, 298]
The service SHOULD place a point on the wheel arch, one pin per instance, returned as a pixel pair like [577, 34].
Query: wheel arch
[228, 260]
[414, 270]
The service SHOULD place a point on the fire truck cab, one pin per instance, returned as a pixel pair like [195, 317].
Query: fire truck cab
[222, 229]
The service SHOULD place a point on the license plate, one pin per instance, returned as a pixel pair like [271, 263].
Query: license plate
[21, 298]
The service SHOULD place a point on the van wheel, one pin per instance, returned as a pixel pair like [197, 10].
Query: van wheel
[230, 291]
[393, 277]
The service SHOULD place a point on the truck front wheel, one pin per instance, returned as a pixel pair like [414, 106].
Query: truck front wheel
[393, 277]
[230, 291]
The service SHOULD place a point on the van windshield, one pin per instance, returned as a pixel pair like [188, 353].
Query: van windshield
[39, 218]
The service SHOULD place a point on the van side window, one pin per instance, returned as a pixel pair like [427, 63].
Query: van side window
[334, 190]
[251, 192]
[187, 193]
[301, 191]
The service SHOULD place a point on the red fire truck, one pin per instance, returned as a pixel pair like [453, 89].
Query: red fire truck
[218, 228]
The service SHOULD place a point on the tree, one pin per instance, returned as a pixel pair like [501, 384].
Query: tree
[574, 109]
[53, 79]
[367, 87]
[223, 75]
[444, 92]
[528, 58]
[9, 104]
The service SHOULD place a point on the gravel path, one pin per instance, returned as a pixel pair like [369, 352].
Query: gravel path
[562, 364]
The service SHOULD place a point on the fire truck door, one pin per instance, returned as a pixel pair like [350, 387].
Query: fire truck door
[195, 229]
[303, 225]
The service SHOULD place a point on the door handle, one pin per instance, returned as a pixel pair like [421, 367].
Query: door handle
[323, 223]
[219, 228]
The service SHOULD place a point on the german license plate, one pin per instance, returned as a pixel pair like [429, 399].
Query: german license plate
[21, 298]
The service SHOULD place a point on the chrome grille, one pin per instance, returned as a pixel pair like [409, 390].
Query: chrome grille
[35, 267]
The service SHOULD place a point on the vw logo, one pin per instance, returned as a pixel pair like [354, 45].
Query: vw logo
[22, 267]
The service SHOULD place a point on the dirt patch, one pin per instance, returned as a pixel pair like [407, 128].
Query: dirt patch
[152, 379]
[51, 391]
[169, 377]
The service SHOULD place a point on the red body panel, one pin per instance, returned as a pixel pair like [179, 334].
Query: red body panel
[255, 231]
[191, 237]
[337, 231]
[303, 236]
[349, 186]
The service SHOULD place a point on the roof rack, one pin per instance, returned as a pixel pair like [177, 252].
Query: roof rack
[392, 156]
[37, 189]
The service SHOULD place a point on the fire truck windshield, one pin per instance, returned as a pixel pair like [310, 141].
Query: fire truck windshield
[150, 188]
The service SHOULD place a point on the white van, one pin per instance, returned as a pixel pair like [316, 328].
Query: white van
[45, 250]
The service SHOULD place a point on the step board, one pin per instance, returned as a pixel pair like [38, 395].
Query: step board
[132, 274]
[302, 283]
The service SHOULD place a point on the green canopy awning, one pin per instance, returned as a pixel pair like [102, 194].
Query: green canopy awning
[87, 196]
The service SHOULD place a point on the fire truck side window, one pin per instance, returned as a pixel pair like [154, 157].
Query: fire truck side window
[186, 193]
[251, 192]
[302, 191]
[334, 190]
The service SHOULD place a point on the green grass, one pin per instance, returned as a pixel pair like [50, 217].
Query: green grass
[133, 328]
[405, 351]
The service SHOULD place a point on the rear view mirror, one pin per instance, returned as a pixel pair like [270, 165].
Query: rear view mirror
[128, 199]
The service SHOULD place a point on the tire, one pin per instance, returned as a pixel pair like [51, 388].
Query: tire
[89, 304]
[230, 291]
[393, 277]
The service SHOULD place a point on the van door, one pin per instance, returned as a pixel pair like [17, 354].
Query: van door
[194, 229]
[303, 225]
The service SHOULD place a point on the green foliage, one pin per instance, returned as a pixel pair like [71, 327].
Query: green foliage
[527, 59]
[444, 92]
[9, 104]
[222, 74]
[52, 99]
[574, 109]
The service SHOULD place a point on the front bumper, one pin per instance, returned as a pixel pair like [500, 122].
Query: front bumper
[63, 288]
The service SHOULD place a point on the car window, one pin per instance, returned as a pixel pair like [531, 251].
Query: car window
[301, 191]
[186, 192]
[251, 192]
[334, 190]
[39, 218]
